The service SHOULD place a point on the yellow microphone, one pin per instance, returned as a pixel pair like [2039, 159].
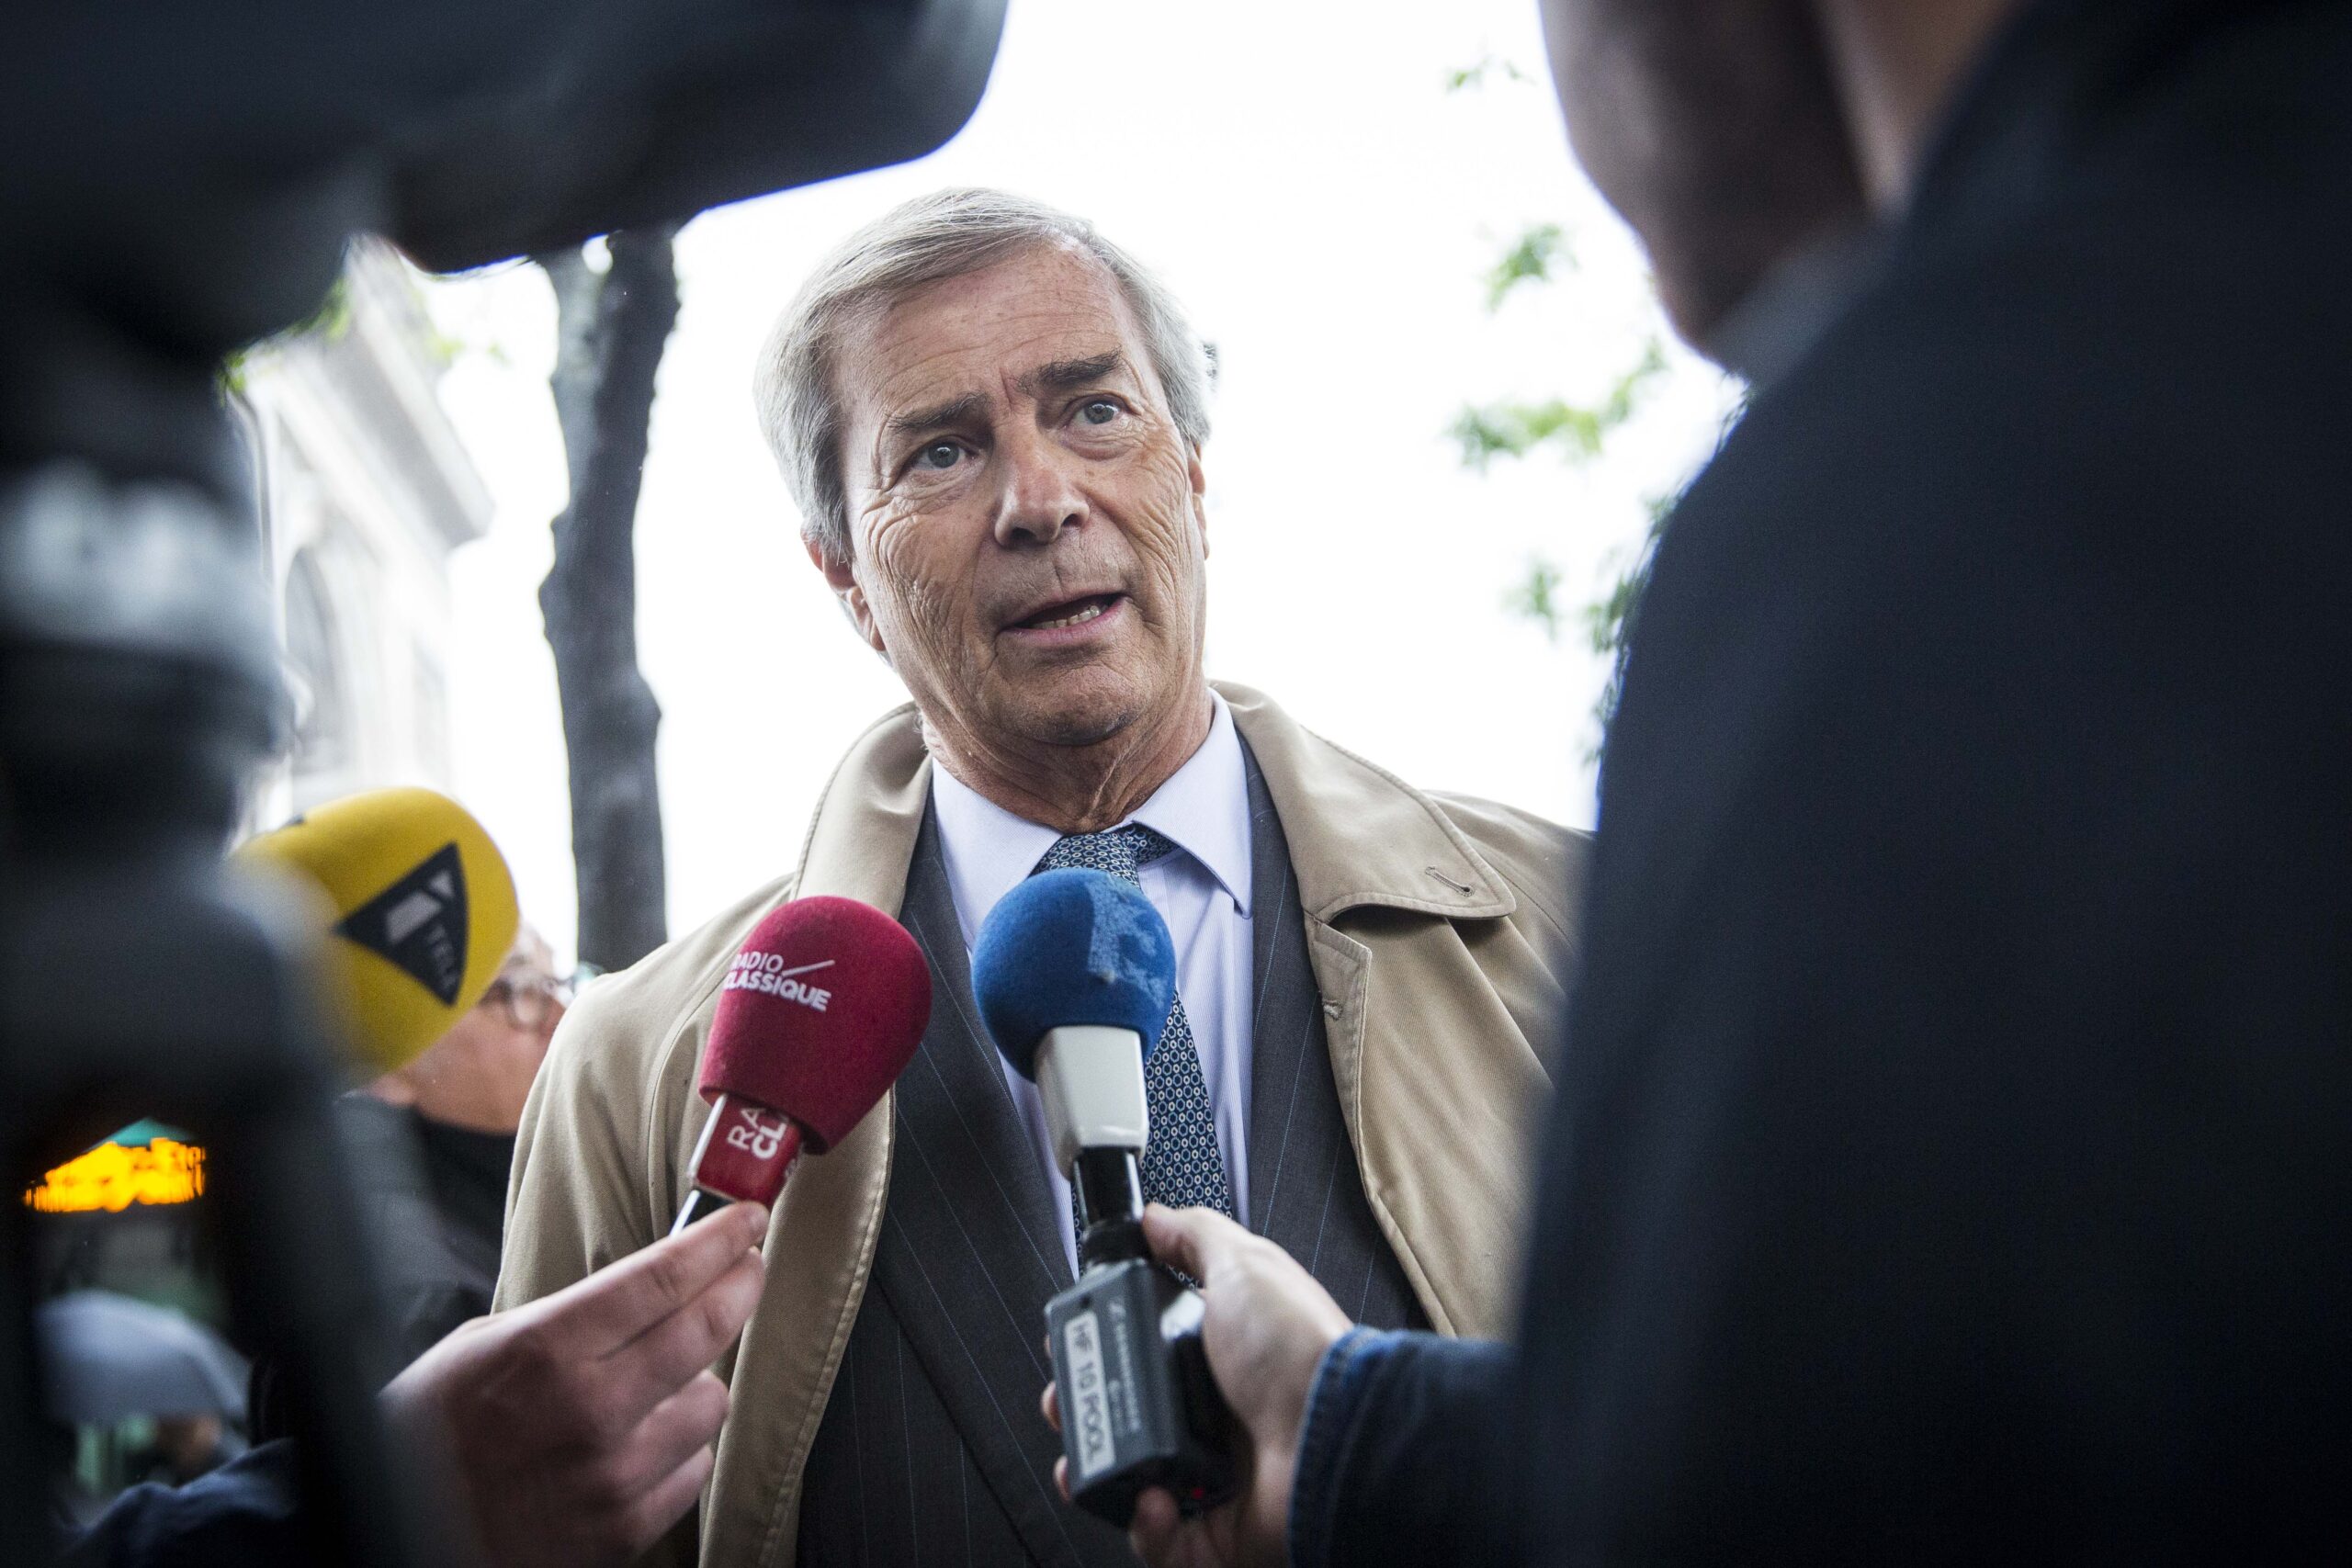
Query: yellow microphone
[423, 912]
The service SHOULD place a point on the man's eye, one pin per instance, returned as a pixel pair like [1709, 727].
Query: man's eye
[1098, 411]
[939, 454]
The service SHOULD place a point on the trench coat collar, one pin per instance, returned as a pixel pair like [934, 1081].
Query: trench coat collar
[1359, 835]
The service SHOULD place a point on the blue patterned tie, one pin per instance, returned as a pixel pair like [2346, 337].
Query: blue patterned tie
[1181, 1166]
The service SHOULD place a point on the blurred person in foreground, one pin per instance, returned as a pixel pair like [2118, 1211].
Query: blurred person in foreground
[441, 1131]
[572, 1433]
[431, 1145]
[1950, 1161]
[569, 1433]
[995, 423]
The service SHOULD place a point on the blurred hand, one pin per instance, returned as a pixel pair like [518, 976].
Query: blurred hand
[579, 1428]
[1266, 1326]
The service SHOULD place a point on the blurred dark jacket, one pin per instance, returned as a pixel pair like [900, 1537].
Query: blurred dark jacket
[433, 1201]
[1953, 1151]
[436, 1202]
[242, 1514]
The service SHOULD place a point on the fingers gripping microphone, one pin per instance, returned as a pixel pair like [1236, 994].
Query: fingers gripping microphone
[820, 1010]
[423, 909]
[1075, 974]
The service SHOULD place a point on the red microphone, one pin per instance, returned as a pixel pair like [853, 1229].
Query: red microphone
[820, 1011]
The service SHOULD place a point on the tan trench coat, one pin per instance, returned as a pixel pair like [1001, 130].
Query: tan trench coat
[1439, 929]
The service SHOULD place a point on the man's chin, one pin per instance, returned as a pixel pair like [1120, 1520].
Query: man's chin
[1076, 711]
[1087, 727]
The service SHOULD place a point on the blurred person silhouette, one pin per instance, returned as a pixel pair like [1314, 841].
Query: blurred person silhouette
[1949, 1160]
[431, 1144]
[195, 186]
[439, 1136]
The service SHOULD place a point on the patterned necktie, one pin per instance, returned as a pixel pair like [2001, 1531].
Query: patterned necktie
[1181, 1164]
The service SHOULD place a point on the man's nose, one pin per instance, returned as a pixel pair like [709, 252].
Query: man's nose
[1040, 496]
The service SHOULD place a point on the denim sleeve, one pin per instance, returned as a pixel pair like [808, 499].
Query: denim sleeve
[242, 1514]
[1402, 1459]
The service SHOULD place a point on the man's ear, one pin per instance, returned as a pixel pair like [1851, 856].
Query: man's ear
[1199, 478]
[843, 579]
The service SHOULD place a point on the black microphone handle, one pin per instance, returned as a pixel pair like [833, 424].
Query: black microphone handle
[1140, 1406]
[1108, 1184]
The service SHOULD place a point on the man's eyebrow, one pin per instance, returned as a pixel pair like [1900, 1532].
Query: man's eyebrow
[1068, 375]
[955, 410]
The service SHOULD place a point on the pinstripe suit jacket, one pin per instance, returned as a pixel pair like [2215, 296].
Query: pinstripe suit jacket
[1436, 937]
[932, 1450]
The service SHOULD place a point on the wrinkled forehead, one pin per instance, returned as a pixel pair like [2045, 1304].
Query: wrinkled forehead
[983, 334]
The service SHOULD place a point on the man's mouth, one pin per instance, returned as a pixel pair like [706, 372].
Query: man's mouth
[1070, 612]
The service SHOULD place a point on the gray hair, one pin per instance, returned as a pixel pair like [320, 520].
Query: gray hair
[948, 233]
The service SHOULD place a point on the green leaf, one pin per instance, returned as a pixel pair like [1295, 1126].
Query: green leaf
[1537, 597]
[1530, 260]
[1618, 406]
[1514, 429]
[440, 347]
[1466, 76]
[1604, 619]
[330, 321]
[1487, 64]
[1517, 429]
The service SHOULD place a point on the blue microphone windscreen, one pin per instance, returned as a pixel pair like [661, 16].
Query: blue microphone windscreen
[1072, 946]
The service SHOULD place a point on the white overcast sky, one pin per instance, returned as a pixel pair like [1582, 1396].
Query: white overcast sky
[1326, 209]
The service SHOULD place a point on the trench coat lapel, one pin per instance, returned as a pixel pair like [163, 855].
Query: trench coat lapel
[1427, 1062]
[860, 842]
[933, 1199]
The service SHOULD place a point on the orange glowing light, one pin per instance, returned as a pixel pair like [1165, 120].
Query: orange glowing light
[112, 1178]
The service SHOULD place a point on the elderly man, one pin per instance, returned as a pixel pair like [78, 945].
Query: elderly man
[994, 423]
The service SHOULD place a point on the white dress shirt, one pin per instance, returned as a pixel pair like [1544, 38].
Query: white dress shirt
[1202, 891]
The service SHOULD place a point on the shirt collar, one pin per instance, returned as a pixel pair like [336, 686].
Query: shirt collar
[1204, 808]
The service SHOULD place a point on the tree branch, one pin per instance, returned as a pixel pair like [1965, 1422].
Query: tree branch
[572, 381]
[611, 330]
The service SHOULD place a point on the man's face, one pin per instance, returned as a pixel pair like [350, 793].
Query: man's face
[480, 1073]
[1714, 126]
[1027, 527]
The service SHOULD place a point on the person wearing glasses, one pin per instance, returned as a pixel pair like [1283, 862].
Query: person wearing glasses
[438, 1138]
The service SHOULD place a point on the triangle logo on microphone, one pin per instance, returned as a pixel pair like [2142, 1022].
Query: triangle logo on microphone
[419, 923]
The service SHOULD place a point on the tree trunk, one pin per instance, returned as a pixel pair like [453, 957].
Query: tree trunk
[612, 329]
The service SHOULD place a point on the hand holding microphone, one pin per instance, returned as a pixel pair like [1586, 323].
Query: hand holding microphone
[1075, 974]
[582, 1425]
[1265, 1325]
[1180, 1409]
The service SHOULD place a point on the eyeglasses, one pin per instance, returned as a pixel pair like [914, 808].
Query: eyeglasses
[530, 1001]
